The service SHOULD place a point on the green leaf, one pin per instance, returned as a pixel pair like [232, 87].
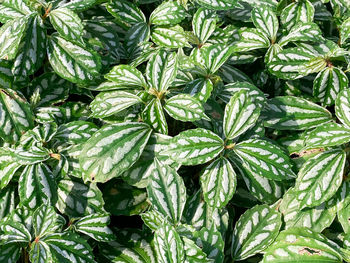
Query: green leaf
[251, 39]
[196, 146]
[344, 218]
[68, 24]
[17, 116]
[77, 199]
[95, 226]
[45, 220]
[40, 252]
[217, 4]
[254, 231]
[320, 177]
[8, 166]
[166, 191]
[265, 20]
[7, 201]
[32, 156]
[126, 12]
[328, 83]
[161, 70]
[10, 253]
[170, 37]
[289, 63]
[126, 76]
[6, 77]
[68, 247]
[204, 24]
[75, 132]
[218, 181]
[265, 159]
[303, 32]
[194, 253]
[215, 56]
[184, 107]
[15, 232]
[293, 113]
[153, 115]
[168, 245]
[112, 150]
[37, 185]
[342, 107]
[153, 219]
[135, 40]
[344, 31]
[31, 50]
[301, 11]
[328, 134]
[109, 103]
[302, 245]
[241, 113]
[72, 61]
[11, 35]
[12, 9]
[200, 89]
[168, 13]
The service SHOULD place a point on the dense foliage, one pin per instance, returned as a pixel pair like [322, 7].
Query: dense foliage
[174, 131]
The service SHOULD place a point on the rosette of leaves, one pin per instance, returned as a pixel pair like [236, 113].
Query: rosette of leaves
[174, 131]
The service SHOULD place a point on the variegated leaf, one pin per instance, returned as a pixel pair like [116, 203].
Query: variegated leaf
[17, 116]
[12, 9]
[204, 23]
[328, 134]
[37, 185]
[303, 32]
[8, 166]
[75, 132]
[109, 103]
[161, 70]
[194, 253]
[251, 39]
[153, 219]
[342, 107]
[320, 177]
[217, 4]
[68, 24]
[10, 253]
[6, 76]
[302, 245]
[296, 12]
[195, 146]
[241, 113]
[344, 31]
[153, 115]
[215, 56]
[126, 76]
[184, 107]
[168, 13]
[218, 181]
[168, 245]
[294, 113]
[45, 221]
[72, 61]
[166, 191]
[95, 226]
[265, 159]
[112, 150]
[255, 230]
[200, 88]
[126, 12]
[328, 83]
[40, 252]
[78, 5]
[265, 20]
[170, 37]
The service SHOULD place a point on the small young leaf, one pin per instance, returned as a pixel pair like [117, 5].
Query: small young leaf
[265, 20]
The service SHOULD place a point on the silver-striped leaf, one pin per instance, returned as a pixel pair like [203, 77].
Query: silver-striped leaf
[320, 177]
[166, 191]
[168, 245]
[161, 70]
[204, 23]
[185, 107]
[293, 113]
[126, 76]
[153, 115]
[342, 107]
[302, 245]
[170, 37]
[40, 252]
[218, 182]
[112, 150]
[6, 76]
[45, 220]
[109, 103]
[266, 21]
[215, 56]
[78, 5]
[265, 159]
[194, 253]
[326, 135]
[68, 24]
[254, 231]
[200, 88]
[297, 12]
[241, 113]
[217, 4]
[69, 247]
[251, 39]
[72, 61]
[168, 13]
[95, 226]
[328, 83]
[8, 166]
[195, 146]
[14, 232]
[303, 32]
[12, 9]
[10, 253]
[126, 12]
[153, 219]
[37, 185]
[75, 132]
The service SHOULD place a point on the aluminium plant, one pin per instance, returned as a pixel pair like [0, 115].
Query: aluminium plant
[197, 131]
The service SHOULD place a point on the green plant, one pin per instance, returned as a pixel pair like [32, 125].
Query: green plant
[219, 129]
